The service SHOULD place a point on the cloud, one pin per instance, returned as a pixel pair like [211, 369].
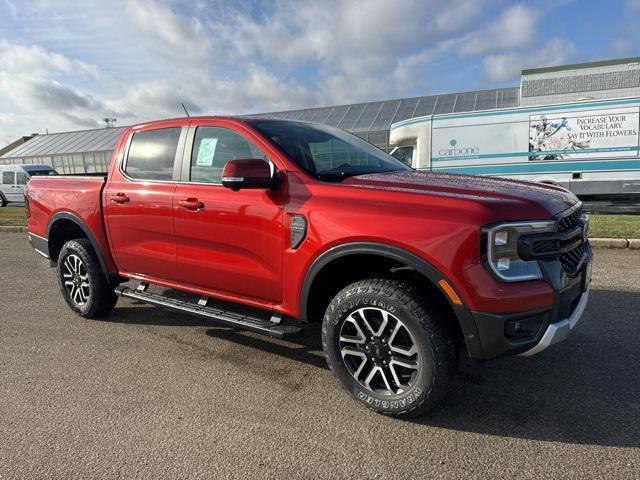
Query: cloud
[48, 95]
[139, 59]
[50, 104]
[621, 46]
[349, 43]
[507, 66]
[32, 90]
[82, 122]
[514, 28]
[17, 57]
[624, 40]
[167, 33]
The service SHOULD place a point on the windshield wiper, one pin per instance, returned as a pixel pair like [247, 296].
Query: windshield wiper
[337, 175]
[342, 174]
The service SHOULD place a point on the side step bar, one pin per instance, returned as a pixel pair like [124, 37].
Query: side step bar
[272, 328]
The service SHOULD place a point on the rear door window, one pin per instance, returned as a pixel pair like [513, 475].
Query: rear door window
[152, 154]
[21, 178]
[213, 147]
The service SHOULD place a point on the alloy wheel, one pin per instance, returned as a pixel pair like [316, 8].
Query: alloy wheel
[379, 351]
[76, 280]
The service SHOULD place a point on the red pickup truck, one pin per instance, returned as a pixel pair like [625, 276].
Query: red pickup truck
[268, 225]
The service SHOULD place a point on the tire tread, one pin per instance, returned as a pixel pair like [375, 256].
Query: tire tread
[444, 351]
[104, 297]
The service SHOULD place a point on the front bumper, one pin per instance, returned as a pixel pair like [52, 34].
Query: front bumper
[557, 332]
[529, 332]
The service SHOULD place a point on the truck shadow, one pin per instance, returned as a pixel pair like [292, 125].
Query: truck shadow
[585, 390]
[306, 349]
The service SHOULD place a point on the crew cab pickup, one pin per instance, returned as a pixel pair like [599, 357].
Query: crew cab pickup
[269, 225]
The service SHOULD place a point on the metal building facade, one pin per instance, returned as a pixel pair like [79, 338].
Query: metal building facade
[581, 81]
[79, 152]
[372, 120]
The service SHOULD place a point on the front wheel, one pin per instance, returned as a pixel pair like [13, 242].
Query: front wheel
[388, 347]
[83, 284]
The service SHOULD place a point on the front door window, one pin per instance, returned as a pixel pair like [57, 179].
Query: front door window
[213, 147]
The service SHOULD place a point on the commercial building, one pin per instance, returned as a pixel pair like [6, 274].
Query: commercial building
[80, 152]
[581, 81]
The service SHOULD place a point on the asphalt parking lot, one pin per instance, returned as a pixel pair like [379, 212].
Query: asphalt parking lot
[148, 393]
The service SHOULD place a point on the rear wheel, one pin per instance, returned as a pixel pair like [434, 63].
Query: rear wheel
[83, 284]
[388, 347]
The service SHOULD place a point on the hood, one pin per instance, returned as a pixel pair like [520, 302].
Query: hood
[491, 191]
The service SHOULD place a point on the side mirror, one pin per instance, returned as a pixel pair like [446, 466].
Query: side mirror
[247, 173]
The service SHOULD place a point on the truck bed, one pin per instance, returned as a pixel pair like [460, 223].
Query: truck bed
[71, 198]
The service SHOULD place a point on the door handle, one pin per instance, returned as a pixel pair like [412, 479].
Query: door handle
[191, 204]
[120, 198]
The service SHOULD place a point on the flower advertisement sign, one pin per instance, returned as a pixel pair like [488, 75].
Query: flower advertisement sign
[585, 134]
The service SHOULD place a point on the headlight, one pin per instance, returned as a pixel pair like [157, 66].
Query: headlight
[584, 218]
[502, 250]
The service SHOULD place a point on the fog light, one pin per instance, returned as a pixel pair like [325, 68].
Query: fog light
[525, 328]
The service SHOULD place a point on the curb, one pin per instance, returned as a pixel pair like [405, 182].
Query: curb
[13, 229]
[630, 243]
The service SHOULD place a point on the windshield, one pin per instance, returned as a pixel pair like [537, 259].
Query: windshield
[327, 153]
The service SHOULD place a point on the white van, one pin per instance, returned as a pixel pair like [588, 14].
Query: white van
[13, 179]
[591, 147]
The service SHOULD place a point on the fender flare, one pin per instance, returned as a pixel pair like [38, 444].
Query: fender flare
[464, 316]
[80, 223]
[462, 312]
[367, 248]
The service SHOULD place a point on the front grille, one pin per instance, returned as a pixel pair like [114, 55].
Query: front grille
[571, 260]
[542, 247]
[570, 221]
[565, 245]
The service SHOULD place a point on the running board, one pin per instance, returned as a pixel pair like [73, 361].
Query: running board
[272, 328]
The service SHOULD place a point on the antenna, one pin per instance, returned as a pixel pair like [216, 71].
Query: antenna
[185, 109]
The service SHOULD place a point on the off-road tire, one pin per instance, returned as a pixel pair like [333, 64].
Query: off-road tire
[101, 298]
[424, 320]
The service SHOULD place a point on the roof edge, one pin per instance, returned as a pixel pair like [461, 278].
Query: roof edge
[385, 100]
[578, 66]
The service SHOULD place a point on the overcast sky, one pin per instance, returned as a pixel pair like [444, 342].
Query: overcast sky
[66, 66]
